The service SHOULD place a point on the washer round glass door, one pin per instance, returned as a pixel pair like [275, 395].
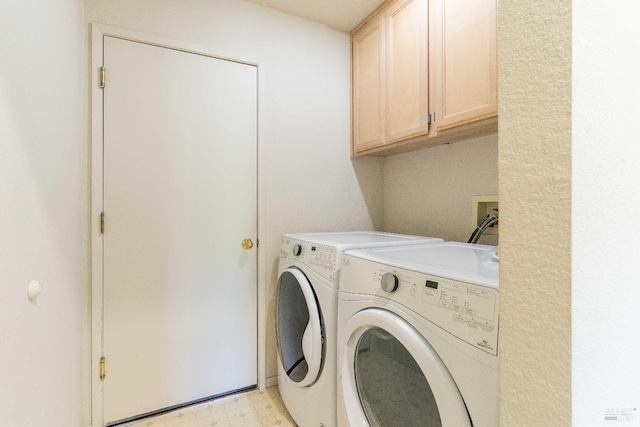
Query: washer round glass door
[298, 328]
[392, 377]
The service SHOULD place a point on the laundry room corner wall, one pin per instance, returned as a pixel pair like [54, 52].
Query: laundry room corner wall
[43, 199]
[534, 142]
[309, 181]
[429, 192]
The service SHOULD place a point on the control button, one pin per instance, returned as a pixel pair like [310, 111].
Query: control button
[414, 289]
[459, 319]
[430, 292]
[389, 282]
[297, 250]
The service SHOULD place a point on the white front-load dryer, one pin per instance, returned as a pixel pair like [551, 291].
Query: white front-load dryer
[306, 304]
[418, 337]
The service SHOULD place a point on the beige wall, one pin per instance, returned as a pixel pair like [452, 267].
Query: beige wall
[534, 40]
[429, 192]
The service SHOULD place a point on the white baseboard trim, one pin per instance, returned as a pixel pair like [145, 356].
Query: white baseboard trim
[271, 381]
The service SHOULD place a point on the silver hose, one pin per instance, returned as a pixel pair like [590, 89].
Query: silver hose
[486, 223]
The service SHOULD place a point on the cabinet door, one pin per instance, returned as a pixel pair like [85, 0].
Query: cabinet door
[406, 83]
[463, 69]
[368, 77]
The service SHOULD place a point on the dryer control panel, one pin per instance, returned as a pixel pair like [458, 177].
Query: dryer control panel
[465, 310]
[322, 258]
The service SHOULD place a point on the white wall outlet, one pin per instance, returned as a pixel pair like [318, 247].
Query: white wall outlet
[482, 206]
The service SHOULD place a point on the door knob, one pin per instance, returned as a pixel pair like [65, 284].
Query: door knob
[247, 244]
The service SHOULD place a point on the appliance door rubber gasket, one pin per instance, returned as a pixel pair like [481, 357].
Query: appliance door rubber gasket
[311, 340]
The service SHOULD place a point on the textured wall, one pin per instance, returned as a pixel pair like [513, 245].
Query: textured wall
[429, 192]
[606, 200]
[534, 40]
[42, 197]
[310, 183]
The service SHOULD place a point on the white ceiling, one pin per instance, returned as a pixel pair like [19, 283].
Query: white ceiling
[341, 15]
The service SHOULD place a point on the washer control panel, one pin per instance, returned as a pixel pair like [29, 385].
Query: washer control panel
[465, 310]
[460, 298]
[322, 258]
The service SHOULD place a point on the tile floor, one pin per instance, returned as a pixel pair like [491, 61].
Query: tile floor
[259, 408]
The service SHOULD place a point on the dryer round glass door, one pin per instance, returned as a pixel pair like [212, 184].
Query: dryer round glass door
[299, 328]
[391, 376]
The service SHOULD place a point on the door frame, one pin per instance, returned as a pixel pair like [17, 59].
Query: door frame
[98, 32]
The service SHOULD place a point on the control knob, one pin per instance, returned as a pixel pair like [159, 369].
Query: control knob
[297, 249]
[389, 282]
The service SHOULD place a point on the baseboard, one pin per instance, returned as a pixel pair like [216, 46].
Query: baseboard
[271, 381]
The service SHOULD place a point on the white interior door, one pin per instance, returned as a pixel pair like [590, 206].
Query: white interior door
[180, 177]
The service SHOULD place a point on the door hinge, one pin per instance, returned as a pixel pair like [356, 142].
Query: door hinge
[102, 223]
[101, 77]
[102, 368]
[257, 243]
[431, 118]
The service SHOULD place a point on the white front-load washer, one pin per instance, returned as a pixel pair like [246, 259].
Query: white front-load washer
[418, 337]
[306, 315]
